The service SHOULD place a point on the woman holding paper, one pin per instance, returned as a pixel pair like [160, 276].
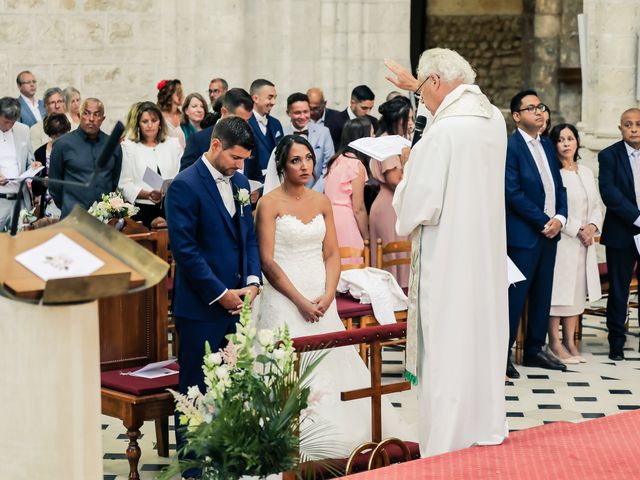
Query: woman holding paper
[396, 119]
[575, 275]
[147, 146]
[344, 185]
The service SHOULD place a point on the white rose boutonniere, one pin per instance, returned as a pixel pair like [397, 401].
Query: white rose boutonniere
[243, 198]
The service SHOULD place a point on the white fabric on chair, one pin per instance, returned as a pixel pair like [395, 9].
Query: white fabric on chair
[377, 287]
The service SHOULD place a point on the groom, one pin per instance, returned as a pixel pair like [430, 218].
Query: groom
[214, 245]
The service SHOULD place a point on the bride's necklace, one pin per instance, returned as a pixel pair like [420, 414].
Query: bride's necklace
[297, 197]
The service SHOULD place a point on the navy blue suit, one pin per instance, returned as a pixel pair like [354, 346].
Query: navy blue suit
[619, 196]
[335, 124]
[197, 144]
[26, 115]
[265, 144]
[532, 252]
[213, 252]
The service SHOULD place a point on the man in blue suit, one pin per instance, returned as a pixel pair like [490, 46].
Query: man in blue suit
[215, 248]
[266, 129]
[536, 204]
[619, 180]
[32, 109]
[235, 102]
[362, 100]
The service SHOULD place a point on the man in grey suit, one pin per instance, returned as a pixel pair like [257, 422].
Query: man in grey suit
[75, 157]
[16, 156]
[32, 109]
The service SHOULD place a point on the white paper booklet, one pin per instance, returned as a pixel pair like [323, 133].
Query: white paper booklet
[254, 185]
[155, 181]
[514, 275]
[59, 257]
[381, 148]
[28, 173]
[154, 370]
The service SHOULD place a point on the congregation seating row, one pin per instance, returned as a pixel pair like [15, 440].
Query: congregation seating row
[134, 332]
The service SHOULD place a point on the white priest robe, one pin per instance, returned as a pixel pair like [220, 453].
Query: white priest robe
[451, 200]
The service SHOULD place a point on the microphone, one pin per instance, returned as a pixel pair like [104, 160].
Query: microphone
[421, 122]
[112, 142]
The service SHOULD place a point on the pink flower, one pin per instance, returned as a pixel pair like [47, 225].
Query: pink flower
[116, 203]
[230, 354]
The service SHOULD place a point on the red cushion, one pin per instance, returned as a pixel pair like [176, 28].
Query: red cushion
[350, 307]
[602, 269]
[136, 385]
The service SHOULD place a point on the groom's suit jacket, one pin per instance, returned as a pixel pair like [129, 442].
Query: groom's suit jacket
[213, 251]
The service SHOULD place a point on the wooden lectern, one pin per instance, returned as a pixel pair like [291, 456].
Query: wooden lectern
[50, 351]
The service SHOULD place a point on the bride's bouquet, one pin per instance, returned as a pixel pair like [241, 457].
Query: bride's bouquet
[248, 421]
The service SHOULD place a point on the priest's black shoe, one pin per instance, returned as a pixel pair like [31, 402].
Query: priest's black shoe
[616, 355]
[511, 370]
[544, 360]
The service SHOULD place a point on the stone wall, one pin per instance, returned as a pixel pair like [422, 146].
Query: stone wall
[118, 50]
[491, 44]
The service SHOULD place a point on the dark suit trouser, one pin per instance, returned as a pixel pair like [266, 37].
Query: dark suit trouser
[536, 264]
[620, 263]
[192, 335]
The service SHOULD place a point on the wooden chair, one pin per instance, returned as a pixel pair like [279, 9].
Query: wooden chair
[133, 332]
[378, 452]
[354, 252]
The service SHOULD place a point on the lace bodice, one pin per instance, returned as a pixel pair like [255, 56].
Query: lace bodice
[298, 251]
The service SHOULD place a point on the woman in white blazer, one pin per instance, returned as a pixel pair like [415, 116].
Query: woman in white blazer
[147, 146]
[575, 275]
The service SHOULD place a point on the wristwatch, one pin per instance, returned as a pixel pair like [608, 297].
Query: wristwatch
[257, 285]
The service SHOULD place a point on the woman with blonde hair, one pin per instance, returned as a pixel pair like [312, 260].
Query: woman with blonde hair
[72, 102]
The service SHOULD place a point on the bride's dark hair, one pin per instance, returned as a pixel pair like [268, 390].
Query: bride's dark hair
[282, 152]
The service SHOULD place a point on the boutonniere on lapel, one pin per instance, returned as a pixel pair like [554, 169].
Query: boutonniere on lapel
[243, 198]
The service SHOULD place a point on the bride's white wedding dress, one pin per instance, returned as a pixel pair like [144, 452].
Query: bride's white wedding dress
[298, 251]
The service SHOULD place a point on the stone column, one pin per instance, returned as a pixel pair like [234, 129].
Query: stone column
[546, 56]
[609, 81]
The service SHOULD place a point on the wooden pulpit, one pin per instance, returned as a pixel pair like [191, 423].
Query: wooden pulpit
[50, 351]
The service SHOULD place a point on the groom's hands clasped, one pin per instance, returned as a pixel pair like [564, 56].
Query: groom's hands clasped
[232, 300]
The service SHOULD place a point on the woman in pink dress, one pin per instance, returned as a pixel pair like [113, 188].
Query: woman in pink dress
[344, 185]
[396, 119]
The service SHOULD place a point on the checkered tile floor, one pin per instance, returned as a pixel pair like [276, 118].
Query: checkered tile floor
[594, 389]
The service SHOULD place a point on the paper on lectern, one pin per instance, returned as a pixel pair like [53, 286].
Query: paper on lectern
[154, 370]
[59, 257]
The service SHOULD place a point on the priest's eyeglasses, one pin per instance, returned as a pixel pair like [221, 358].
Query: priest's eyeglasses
[417, 94]
[532, 108]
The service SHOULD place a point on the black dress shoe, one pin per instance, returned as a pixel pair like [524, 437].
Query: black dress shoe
[511, 370]
[616, 355]
[544, 360]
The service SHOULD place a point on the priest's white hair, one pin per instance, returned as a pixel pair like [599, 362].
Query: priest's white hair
[447, 64]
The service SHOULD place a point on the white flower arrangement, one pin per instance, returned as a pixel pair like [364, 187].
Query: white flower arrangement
[112, 206]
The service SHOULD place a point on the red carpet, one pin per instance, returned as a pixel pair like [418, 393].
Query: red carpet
[605, 448]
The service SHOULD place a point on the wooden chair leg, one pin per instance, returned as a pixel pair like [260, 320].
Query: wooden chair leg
[162, 436]
[133, 450]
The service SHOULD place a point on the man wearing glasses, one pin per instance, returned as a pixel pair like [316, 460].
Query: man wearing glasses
[53, 103]
[536, 205]
[217, 88]
[75, 157]
[32, 109]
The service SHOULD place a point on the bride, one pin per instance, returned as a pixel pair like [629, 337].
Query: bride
[301, 263]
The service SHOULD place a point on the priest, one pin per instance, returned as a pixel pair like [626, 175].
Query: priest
[451, 201]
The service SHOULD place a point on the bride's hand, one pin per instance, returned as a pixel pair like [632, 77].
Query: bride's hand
[309, 311]
[323, 302]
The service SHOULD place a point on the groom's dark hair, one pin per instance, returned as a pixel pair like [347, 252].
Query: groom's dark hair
[232, 131]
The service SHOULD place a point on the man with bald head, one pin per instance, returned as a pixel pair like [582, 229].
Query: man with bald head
[619, 180]
[320, 114]
[75, 157]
